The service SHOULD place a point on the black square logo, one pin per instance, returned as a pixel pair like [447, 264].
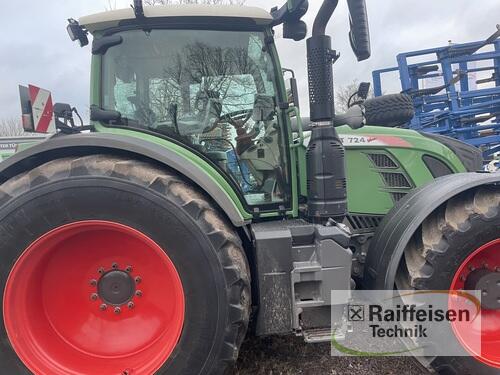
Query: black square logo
[356, 313]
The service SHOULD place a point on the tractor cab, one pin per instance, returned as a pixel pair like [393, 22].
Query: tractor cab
[206, 77]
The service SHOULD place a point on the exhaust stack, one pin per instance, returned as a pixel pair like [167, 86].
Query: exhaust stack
[326, 180]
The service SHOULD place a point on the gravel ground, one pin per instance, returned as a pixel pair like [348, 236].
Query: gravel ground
[291, 356]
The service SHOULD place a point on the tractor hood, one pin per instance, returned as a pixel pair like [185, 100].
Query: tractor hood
[115, 18]
[382, 137]
[375, 137]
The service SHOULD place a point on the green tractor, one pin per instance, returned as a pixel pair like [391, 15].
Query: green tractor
[198, 202]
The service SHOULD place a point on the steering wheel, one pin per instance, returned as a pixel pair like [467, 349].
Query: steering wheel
[237, 118]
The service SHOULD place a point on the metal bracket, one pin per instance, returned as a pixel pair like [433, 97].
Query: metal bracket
[138, 9]
[334, 55]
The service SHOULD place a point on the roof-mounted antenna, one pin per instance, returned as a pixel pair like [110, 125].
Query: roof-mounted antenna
[138, 9]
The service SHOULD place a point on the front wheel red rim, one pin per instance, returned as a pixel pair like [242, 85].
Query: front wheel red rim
[481, 271]
[94, 297]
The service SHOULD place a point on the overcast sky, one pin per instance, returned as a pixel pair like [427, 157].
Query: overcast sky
[34, 46]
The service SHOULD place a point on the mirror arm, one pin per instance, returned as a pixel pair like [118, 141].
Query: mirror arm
[138, 9]
[300, 129]
[288, 12]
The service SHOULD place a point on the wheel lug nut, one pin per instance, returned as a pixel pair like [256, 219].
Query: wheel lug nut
[117, 310]
[101, 270]
[131, 305]
[138, 293]
[114, 266]
[93, 296]
[103, 307]
[462, 278]
[472, 268]
[93, 282]
[138, 280]
[128, 269]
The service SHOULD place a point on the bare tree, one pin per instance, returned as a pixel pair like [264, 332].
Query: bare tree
[11, 128]
[206, 2]
[344, 93]
[220, 73]
[111, 5]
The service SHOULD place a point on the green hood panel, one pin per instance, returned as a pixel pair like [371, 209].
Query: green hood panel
[384, 164]
[382, 137]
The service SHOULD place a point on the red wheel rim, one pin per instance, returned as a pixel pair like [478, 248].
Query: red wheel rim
[487, 332]
[94, 297]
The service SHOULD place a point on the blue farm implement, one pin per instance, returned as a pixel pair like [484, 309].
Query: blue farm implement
[455, 90]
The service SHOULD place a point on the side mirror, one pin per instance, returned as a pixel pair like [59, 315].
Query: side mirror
[360, 30]
[364, 90]
[289, 15]
[77, 32]
[295, 30]
[292, 92]
[361, 94]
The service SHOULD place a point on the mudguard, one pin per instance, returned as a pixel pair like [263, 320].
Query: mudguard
[399, 225]
[85, 144]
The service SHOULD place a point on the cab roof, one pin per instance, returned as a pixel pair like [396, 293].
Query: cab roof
[113, 18]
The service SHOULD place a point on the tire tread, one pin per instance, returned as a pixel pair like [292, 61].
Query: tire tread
[199, 207]
[458, 216]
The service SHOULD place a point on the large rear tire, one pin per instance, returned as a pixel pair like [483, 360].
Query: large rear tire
[116, 266]
[458, 241]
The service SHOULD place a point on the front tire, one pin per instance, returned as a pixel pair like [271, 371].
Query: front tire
[458, 239]
[77, 233]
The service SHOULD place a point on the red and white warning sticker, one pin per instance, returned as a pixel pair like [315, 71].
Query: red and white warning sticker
[43, 110]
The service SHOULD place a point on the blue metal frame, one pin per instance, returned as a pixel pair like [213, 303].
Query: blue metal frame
[471, 115]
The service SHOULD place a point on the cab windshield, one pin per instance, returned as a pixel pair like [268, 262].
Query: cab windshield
[213, 91]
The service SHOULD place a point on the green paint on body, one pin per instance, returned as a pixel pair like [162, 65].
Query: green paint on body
[367, 191]
[357, 353]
